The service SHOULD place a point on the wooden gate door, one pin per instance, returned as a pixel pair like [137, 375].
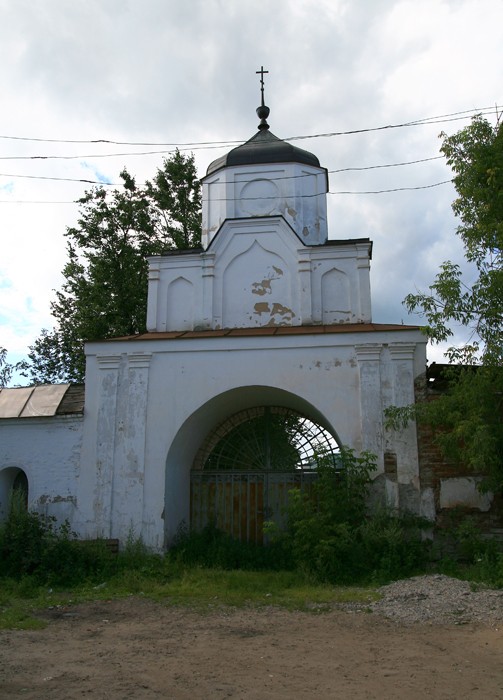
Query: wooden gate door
[244, 470]
[239, 503]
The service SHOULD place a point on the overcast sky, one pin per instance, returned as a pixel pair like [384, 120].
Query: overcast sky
[183, 72]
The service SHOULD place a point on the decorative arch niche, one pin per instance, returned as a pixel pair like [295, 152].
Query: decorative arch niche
[180, 304]
[257, 290]
[335, 297]
[12, 479]
[197, 433]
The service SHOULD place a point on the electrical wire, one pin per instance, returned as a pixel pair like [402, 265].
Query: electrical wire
[439, 119]
[454, 116]
[286, 177]
[249, 199]
[63, 179]
[221, 144]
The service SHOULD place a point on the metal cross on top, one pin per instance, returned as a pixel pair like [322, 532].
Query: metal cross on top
[262, 72]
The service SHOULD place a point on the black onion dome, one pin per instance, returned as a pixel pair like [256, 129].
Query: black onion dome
[264, 147]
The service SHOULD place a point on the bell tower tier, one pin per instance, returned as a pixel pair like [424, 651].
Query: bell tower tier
[266, 259]
[267, 176]
[295, 191]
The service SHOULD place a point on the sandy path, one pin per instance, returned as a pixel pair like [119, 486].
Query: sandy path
[138, 649]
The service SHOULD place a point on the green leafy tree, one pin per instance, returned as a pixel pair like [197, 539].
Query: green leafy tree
[468, 417]
[475, 155]
[105, 289]
[6, 369]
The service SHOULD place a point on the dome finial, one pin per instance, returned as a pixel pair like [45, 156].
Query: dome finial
[262, 111]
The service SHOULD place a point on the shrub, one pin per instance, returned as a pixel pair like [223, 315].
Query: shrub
[212, 548]
[23, 538]
[471, 555]
[331, 535]
[31, 545]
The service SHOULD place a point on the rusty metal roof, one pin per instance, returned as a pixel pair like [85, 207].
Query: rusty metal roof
[269, 331]
[44, 400]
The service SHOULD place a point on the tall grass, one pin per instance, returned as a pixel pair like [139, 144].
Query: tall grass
[330, 543]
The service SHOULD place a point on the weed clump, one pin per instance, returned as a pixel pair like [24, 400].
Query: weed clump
[34, 549]
[333, 537]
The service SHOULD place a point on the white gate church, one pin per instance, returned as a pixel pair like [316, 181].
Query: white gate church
[270, 314]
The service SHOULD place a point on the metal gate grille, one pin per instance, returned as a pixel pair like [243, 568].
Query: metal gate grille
[244, 470]
[239, 503]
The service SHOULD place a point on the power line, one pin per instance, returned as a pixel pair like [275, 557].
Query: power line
[63, 179]
[249, 199]
[286, 177]
[319, 194]
[385, 165]
[453, 116]
[221, 144]
[418, 122]
[397, 189]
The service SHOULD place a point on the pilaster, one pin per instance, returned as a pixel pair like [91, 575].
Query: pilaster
[129, 458]
[405, 441]
[154, 276]
[304, 281]
[369, 358]
[108, 381]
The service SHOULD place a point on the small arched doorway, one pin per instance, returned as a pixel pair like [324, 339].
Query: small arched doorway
[245, 468]
[12, 481]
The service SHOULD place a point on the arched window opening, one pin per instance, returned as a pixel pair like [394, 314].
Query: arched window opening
[13, 484]
[266, 438]
[244, 470]
[20, 487]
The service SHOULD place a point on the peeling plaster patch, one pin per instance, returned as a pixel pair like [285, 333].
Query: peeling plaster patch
[305, 231]
[282, 310]
[337, 363]
[262, 307]
[292, 212]
[264, 287]
[463, 491]
[45, 498]
[273, 323]
[427, 504]
[261, 288]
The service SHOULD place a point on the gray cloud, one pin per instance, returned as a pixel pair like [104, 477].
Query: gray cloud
[177, 71]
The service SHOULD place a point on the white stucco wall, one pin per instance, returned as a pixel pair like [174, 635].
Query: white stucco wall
[257, 273]
[295, 191]
[47, 450]
[151, 403]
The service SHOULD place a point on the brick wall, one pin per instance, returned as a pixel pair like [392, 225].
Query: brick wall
[450, 480]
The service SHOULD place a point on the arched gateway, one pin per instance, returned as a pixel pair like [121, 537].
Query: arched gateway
[245, 468]
[257, 344]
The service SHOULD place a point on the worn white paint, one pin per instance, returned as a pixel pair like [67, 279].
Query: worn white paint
[47, 450]
[294, 191]
[463, 491]
[189, 386]
[267, 272]
[257, 273]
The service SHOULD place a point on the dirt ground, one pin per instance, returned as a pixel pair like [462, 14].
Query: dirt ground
[136, 648]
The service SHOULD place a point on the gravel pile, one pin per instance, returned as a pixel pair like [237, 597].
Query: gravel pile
[439, 599]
